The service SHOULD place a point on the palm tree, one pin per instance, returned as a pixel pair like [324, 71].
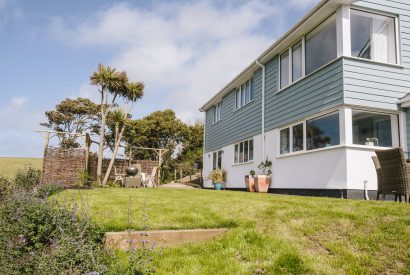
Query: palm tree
[112, 85]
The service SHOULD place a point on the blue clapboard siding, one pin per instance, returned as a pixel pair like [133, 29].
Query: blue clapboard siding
[235, 125]
[317, 92]
[375, 85]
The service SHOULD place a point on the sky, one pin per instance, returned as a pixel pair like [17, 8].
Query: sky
[183, 51]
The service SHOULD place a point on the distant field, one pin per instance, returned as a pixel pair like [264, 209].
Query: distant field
[9, 166]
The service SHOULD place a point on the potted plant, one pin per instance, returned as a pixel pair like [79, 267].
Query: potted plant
[249, 181]
[262, 182]
[218, 178]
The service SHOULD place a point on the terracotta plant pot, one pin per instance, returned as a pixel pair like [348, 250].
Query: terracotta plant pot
[262, 183]
[250, 183]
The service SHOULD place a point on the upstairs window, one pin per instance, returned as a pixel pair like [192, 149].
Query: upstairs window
[291, 65]
[284, 69]
[217, 112]
[321, 45]
[297, 61]
[243, 151]
[373, 36]
[244, 94]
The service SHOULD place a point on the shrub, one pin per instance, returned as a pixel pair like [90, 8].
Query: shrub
[6, 185]
[27, 178]
[40, 236]
[46, 190]
[83, 179]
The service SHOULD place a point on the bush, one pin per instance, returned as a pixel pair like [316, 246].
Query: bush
[46, 190]
[27, 178]
[6, 185]
[39, 236]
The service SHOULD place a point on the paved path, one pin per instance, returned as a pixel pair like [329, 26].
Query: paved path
[176, 185]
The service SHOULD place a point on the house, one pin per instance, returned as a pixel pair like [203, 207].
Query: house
[318, 102]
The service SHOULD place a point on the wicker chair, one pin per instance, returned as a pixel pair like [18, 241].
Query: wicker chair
[395, 173]
[379, 177]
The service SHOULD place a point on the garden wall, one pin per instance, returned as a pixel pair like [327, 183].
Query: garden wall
[64, 166]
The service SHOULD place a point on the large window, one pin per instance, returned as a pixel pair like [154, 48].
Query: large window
[291, 139]
[321, 45]
[323, 131]
[244, 94]
[372, 129]
[373, 36]
[243, 151]
[217, 112]
[217, 159]
[291, 68]
[297, 61]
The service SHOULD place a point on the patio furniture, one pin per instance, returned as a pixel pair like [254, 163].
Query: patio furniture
[118, 176]
[379, 177]
[150, 179]
[395, 173]
[134, 181]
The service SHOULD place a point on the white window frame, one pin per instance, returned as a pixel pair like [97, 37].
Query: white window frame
[236, 154]
[290, 127]
[217, 112]
[215, 158]
[348, 52]
[248, 99]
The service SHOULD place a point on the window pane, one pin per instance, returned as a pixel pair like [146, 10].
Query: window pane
[252, 88]
[284, 69]
[284, 141]
[236, 153]
[242, 95]
[238, 98]
[219, 159]
[241, 152]
[323, 131]
[321, 47]
[214, 160]
[297, 61]
[373, 36]
[245, 152]
[250, 149]
[248, 91]
[297, 137]
[372, 129]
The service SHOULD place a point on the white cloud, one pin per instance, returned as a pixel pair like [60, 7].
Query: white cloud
[9, 11]
[18, 101]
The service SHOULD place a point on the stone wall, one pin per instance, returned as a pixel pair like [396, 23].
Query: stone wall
[63, 165]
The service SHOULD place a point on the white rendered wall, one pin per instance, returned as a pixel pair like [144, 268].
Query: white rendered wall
[360, 167]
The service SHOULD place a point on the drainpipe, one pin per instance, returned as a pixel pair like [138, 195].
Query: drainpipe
[263, 107]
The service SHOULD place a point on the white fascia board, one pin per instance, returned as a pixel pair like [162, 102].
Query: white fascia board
[404, 102]
[314, 17]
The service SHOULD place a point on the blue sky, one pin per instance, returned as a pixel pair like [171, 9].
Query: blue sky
[184, 52]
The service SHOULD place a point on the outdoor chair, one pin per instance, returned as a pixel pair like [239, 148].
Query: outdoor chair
[395, 173]
[150, 179]
[118, 176]
[379, 177]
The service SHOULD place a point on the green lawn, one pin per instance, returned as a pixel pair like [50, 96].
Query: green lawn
[9, 166]
[269, 233]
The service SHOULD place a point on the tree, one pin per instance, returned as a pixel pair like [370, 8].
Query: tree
[112, 85]
[72, 116]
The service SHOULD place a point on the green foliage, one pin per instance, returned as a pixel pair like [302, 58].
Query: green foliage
[40, 236]
[83, 179]
[48, 189]
[265, 167]
[217, 176]
[6, 186]
[27, 178]
[72, 115]
[252, 173]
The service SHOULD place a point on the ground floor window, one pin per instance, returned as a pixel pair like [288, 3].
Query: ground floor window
[323, 131]
[372, 129]
[243, 151]
[217, 160]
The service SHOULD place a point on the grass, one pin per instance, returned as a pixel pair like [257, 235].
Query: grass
[9, 166]
[268, 233]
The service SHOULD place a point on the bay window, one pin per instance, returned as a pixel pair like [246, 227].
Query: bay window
[373, 36]
[372, 129]
[243, 151]
[323, 131]
[321, 45]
